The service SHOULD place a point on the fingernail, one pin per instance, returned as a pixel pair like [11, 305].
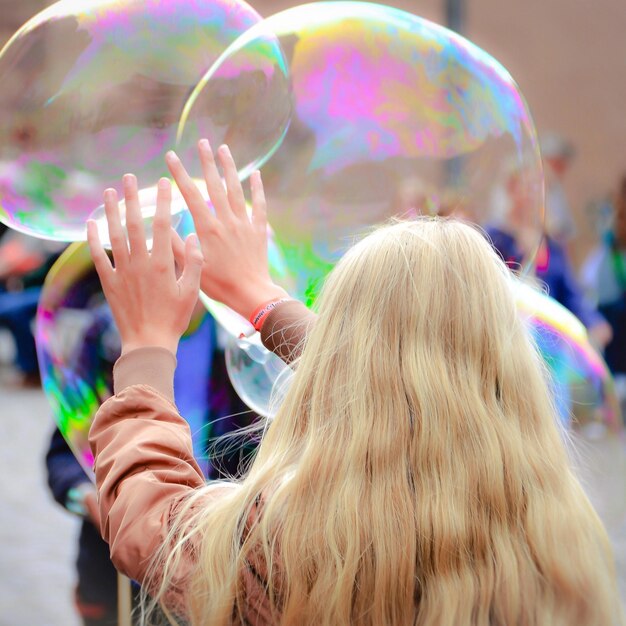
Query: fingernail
[129, 179]
[171, 156]
[224, 149]
[204, 144]
[164, 184]
[109, 194]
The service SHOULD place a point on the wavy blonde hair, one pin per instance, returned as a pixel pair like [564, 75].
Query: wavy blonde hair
[414, 473]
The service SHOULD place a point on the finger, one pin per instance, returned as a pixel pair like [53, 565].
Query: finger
[193, 198]
[178, 248]
[234, 190]
[162, 255]
[134, 220]
[259, 204]
[190, 279]
[214, 184]
[100, 259]
[117, 236]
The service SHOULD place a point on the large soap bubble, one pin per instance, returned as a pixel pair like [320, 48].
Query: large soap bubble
[390, 115]
[586, 399]
[91, 90]
[260, 378]
[78, 344]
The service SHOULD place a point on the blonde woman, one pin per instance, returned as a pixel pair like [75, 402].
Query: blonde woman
[414, 473]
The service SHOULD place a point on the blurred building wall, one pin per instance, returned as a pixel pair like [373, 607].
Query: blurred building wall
[568, 56]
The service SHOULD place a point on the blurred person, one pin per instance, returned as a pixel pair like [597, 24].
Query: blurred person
[558, 154]
[24, 263]
[413, 474]
[604, 275]
[413, 197]
[96, 589]
[519, 242]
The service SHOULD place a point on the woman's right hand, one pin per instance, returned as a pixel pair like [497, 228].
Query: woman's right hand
[234, 245]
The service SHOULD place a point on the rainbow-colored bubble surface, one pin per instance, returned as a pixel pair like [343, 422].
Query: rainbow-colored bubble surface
[583, 386]
[586, 400]
[78, 344]
[389, 114]
[92, 90]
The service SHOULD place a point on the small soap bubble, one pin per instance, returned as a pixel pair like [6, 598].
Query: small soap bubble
[92, 90]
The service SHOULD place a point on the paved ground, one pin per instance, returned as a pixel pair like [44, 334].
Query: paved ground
[37, 538]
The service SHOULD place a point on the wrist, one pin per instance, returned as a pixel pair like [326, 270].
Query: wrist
[246, 303]
[154, 341]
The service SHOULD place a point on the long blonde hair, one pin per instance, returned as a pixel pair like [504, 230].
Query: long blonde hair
[414, 473]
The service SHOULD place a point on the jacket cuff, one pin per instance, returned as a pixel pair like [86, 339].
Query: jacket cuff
[285, 328]
[152, 366]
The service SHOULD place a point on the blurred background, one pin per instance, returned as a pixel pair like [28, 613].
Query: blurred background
[569, 59]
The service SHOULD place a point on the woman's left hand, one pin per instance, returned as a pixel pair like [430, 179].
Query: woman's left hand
[151, 307]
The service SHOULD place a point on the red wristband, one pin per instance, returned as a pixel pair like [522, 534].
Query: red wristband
[260, 313]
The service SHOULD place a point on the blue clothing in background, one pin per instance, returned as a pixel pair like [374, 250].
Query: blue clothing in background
[17, 311]
[554, 270]
[191, 384]
[605, 276]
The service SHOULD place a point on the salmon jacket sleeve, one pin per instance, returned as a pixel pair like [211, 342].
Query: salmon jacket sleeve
[144, 463]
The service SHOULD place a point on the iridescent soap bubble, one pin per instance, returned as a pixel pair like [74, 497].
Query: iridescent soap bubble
[92, 90]
[586, 400]
[78, 344]
[260, 378]
[390, 115]
[585, 393]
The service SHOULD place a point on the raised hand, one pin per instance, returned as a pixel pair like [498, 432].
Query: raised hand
[151, 307]
[234, 245]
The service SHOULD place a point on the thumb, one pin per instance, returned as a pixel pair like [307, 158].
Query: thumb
[193, 259]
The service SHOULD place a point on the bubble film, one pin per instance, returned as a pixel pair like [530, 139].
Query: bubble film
[584, 388]
[260, 377]
[78, 344]
[389, 115]
[586, 400]
[92, 90]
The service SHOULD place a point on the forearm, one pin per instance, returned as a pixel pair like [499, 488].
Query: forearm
[144, 463]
